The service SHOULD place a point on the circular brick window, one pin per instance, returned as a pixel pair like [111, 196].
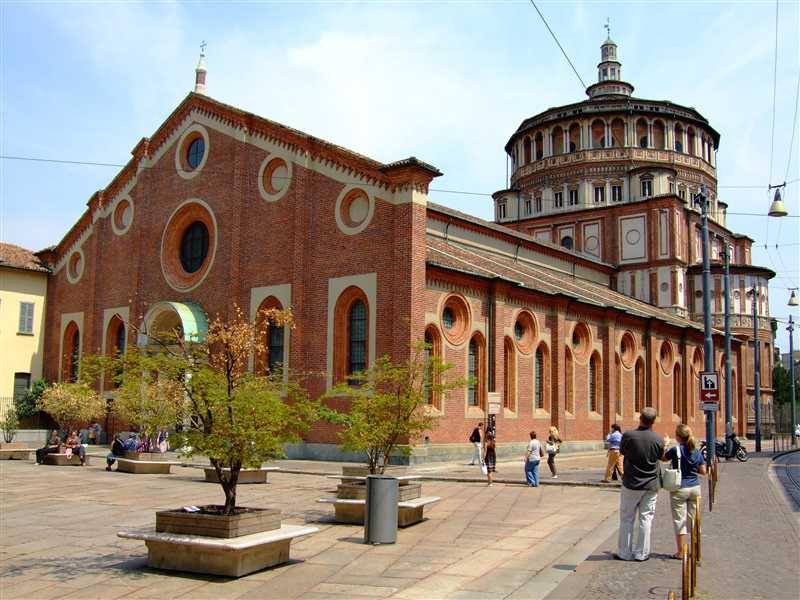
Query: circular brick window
[75, 266]
[191, 151]
[354, 210]
[123, 216]
[581, 340]
[456, 319]
[627, 349]
[525, 331]
[274, 177]
[666, 357]
[188, 245]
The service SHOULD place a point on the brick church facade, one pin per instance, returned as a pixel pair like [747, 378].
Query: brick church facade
[222, 208]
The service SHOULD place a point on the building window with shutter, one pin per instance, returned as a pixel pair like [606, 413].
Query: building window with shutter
[558, 199]
[573, 197]
[26, 318]
[616, 193]
[22, 383]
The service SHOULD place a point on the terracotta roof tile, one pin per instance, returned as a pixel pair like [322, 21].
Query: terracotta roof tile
[17, 257]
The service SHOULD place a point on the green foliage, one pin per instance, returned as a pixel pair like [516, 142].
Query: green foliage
[782, 384]
[236, 418]
[25, 405]
[9, 425]
[71, 404]
[388, 409]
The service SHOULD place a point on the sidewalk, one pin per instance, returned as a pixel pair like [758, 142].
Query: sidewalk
[750, 545]
[58, 536]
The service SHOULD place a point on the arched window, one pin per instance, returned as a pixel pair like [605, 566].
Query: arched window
[677, 392]
[598, 134]
[638, 386]
[618, 386]
[678, 138]
[658, 135]
[510, 362]
[527, 146]
[642, 138]
[115, 346]
[270, 359]
[558, 141]
[575, 137]
[538, 145]
[71, 352]
[569, 398]
[594, 383]
[476, 371]
[618, 132]
[433, 348]
[350, 335]
[358, 339]
[690, 142]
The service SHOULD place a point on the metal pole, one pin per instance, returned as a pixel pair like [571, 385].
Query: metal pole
[790, 329]
[756, 371]
[708, 343]
[728, 376]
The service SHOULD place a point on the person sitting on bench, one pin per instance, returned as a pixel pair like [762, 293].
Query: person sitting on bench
[117, 450]
[52, 446]
[74, 447]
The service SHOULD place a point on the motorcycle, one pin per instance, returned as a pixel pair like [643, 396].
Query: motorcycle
[737, 450]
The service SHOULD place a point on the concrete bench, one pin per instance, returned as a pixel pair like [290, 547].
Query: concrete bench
[60, 460]
[401, 479]
[149, 467]
[230, 557]
[16, 453]
[245, 475]
[352, 511]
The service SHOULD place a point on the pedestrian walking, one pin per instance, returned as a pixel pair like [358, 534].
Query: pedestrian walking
[477, 439]
[614, 438]
[490, 457]
[642, 449]
[163, 440]
[552, 447]
[684, 502]
[532, 458]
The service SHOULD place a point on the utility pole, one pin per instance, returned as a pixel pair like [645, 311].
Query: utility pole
[708, 342]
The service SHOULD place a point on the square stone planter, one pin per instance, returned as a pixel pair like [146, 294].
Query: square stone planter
[155, 456]
[358, 491]
[256, 520]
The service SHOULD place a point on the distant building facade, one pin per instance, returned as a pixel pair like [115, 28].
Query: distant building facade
[23, 289]
[617, 178]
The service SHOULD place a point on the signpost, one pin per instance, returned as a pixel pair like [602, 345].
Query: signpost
[709, 391]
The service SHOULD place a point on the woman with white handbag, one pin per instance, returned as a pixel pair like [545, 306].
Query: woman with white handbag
[683, 483]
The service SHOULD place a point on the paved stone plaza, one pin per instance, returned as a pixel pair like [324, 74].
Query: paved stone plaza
[58, 536]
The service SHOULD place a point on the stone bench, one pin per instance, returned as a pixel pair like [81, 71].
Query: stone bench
[230, 557]
[16, 453]
[401, 479]
[60, 460]
[245, 475]
[148, 467]
[352, 510]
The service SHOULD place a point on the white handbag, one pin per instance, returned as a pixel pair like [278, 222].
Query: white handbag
[671, 480]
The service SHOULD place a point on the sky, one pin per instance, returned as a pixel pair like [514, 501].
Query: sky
[448, 82]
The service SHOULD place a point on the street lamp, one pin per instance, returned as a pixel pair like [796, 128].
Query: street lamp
[777, 208]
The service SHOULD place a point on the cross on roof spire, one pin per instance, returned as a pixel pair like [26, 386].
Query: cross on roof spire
[608, 26]
[203, 47]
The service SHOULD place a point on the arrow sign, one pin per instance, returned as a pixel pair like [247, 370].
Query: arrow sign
[709, 391]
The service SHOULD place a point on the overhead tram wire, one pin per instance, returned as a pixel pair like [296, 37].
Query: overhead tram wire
[559, 44]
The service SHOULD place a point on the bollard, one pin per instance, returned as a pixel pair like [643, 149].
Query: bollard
[380, 516]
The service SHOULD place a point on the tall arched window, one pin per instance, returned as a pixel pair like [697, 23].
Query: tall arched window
[115, 346]
[476, 371]
[510, 362]
[594, 383]
[350, 335]
[275, 348]
[271, 356]
[433, 348]
[677, 392]
[539, 400]
[70, 352]
[618, 386]
[358, 339]
[638, 386]
[569, 398]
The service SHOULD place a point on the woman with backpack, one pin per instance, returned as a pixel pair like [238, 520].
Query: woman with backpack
[117, 450]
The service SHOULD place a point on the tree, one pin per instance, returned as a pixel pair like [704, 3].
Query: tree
[782, 384]
[9, 425]
[25, 405]
[238, 419]
[71, 404]
[389, 408]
